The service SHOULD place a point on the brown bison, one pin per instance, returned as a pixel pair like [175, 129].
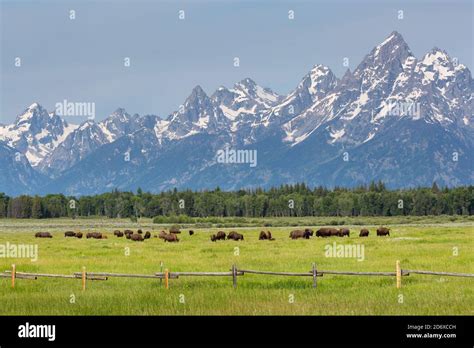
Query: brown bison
[43, 235]
[139, 231]
[191, 232]
[171, 237]
[235, 236]
[311, 233]
[174, 229]
[296, 234]
[136, 237]
[327, 232]
[219, 236]
[95, 235]
[118, 233]
[79, 235]
[127, 232]
[344, 232]
[69, 234]
[162, 234]
[383, 231]
[265, 236]
[147, 235]
[364, 232]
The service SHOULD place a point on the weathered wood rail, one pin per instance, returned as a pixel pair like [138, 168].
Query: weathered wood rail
[234, 272]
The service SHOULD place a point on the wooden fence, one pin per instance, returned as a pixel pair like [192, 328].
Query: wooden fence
[234, 272]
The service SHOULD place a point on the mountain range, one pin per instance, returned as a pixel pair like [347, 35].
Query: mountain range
[396, 118]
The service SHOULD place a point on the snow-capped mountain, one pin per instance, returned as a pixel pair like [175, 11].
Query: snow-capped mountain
[398, 118]
[36, 133]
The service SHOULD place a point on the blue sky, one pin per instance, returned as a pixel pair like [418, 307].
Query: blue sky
[82, 60]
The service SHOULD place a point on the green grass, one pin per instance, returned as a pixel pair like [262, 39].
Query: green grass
[426, 245]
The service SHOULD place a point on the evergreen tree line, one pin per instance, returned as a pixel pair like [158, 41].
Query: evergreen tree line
[287, 200]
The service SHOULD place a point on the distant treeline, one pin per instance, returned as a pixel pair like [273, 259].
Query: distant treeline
[287, 200]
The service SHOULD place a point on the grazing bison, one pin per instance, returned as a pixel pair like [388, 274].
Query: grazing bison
[191, 232]
[383, 231]
[174, 229]
[327, 232]
[219, 236]
[311, 233]
[118, 233]
[265, 236]
[296, 234]
[171, 237]
[344, 232]
[162, 234]
[79, 235]
[235, 236]
[136, 237]
[139, 231]
[364, 232]
[43, 235]
[128, 235]
[127, 232]
[69, 234]
[147, 235]
[95, 235]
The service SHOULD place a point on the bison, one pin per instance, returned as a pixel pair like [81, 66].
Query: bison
[191, 232]
[171, 237]
[327, 232]
[79, 235]
[139, 231]
[136, 237]
[174, 229]
[364, 232]
[162, 234]
[265, 236]
[69, 234]
[43, 235]
[118, 233]
[235, 236]
[95, 235]
[147, 235]
[311, 233]
[219, 236]
[296, 234]
[383, 231]
[344, 232]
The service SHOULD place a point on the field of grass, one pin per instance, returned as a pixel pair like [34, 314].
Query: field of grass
[427, 244]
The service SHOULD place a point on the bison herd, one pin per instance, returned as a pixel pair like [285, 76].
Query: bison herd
[171, 236]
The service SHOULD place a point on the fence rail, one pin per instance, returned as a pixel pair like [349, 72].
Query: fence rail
[234, 273]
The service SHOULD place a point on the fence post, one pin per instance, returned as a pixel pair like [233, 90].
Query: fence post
[161, 271]
[314, 275]
[13, 275]
[83, 278]
[166, 278]
[399, 275]
[234, 276]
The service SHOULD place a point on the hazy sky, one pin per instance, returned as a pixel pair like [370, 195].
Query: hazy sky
[82, 60]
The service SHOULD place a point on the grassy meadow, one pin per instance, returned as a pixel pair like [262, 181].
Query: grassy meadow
[427, 243]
